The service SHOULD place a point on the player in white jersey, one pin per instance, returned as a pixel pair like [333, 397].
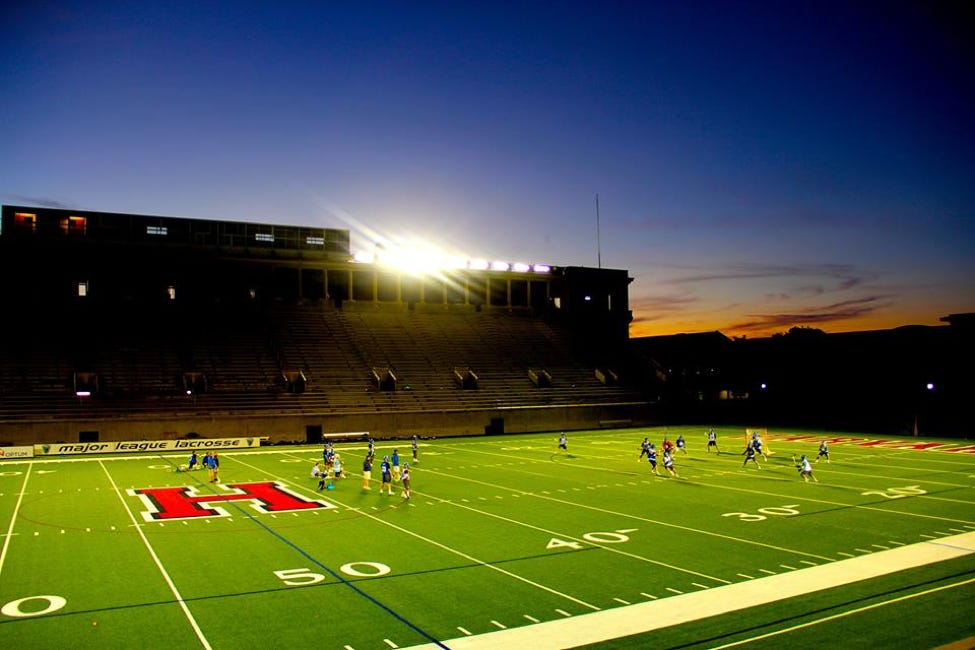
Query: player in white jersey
[805, 470]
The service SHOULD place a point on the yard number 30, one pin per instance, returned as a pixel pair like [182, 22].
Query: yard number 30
[777, 511]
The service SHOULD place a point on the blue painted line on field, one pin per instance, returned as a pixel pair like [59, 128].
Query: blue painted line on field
[332, 573]
[340, 578]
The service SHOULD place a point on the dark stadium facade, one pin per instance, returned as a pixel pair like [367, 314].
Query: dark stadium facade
[123, 325]
[126, 327]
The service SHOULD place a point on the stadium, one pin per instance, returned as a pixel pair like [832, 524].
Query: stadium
[131, 341]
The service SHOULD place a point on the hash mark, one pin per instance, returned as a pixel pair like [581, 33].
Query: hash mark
[676, 591]
[464, 632]
[563, 613]
[500, 626]
[531, 618]
[621, 601]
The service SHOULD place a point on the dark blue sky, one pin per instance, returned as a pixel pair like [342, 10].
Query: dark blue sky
[759, 165]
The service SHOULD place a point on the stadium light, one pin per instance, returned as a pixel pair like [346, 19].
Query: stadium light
[418, 257]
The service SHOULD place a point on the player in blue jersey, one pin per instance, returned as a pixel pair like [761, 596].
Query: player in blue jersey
[749, 455]
[387, 477]
[681, 444]
[652, 459]
[193, 461]
[823, 450]
[395, 464]
[757, 444]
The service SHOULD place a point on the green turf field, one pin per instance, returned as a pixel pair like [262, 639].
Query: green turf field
[504, 536]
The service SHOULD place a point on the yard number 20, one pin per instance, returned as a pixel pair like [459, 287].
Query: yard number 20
[897, 492]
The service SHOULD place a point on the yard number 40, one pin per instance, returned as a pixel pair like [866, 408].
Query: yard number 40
[609, 537]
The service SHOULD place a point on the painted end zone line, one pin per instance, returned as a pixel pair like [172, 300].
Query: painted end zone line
[610, 624]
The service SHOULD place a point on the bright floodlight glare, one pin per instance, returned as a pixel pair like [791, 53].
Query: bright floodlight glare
[930, 386]
[499, 266]
[478, 265]
[83, 393]
[520, 267]
[364, 258]
[763, 386]
[541, 268]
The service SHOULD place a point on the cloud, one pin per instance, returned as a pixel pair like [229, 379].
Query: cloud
[41, 202]
[847, 275]
[840, 311]
[662, 303]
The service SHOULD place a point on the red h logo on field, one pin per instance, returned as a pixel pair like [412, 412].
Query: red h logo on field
[164, 504]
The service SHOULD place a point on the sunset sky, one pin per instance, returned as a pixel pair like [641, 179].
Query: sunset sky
[759, 165]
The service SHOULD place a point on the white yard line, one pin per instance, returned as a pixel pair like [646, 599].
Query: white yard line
[13, 519]
[658, 522]
[597, 627]
[432, 542]
[159, 564]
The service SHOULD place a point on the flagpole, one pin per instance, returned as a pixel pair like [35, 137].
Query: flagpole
[599, 252]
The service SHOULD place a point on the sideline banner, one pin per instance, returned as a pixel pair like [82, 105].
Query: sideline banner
[16, 452]
[202, 444]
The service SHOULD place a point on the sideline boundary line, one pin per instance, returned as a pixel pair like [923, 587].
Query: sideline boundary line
[155, 558]
[13, 520]
[606, 625]
[850, 612]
